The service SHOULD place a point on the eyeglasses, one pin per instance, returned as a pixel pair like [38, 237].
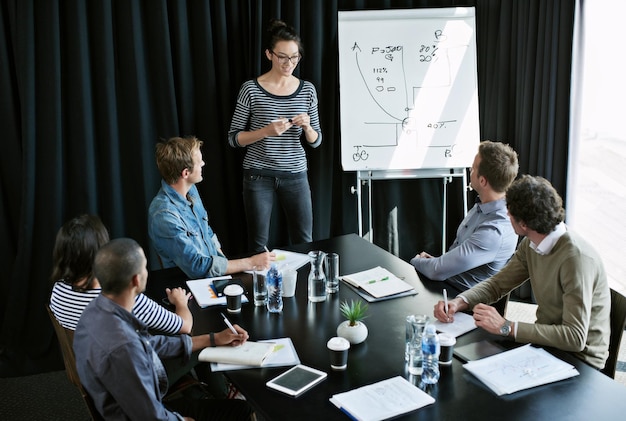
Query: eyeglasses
[282, 59]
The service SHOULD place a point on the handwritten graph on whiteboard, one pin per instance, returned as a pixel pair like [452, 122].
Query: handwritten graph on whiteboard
[408, 90]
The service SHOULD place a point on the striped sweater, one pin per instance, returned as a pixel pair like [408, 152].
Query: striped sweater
[68, 304]
[256, 108]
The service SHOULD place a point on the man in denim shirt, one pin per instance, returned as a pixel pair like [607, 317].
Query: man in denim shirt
[178, 224]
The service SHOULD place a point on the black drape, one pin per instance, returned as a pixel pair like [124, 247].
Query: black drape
[87, 87]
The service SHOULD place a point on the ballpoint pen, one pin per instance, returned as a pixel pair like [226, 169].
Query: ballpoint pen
[445, 301]
[229, 324]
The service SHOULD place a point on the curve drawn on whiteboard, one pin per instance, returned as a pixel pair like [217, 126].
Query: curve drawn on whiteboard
[408, 89]
[377, 84]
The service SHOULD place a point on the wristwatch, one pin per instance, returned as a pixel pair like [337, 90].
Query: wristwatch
[505, 329]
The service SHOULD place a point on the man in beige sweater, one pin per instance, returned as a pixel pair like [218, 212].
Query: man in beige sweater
[566, 275]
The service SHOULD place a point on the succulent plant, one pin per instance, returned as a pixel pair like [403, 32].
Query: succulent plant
[355, 311]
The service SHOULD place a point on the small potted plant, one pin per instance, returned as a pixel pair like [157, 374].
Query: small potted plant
[353, 329]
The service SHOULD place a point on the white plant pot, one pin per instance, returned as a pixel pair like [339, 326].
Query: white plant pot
[355, 334]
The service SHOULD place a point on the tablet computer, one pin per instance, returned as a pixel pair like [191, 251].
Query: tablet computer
[297, 380]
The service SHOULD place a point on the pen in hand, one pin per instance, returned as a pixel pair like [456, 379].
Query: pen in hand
[445, 301]
[229, 324]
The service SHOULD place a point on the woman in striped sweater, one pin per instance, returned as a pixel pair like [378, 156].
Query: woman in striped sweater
[274, 112]
[74, 287]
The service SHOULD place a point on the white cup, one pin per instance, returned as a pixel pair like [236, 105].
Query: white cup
[290, 276]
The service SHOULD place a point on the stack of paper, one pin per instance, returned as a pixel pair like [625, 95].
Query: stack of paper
[205, 295]
[520, 368]
[250, 353]
[380, 401]
[378, 282]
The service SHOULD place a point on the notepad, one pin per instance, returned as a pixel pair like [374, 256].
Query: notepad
[205, 296]
[283, 354]
[463, 323]
[520, 368]
[249, 353]
[382, 400]
[286, 258]
[378, 282]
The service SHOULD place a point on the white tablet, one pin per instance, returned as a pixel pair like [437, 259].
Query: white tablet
[297, 380]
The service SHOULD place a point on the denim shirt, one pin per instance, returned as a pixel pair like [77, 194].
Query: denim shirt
[181, 235]
[119, 362]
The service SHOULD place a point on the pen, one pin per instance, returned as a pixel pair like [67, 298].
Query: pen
[445, 300]
[229, 324]
[373, 281]
[265, 247]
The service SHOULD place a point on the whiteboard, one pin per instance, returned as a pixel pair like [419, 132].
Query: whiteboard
[408, 88]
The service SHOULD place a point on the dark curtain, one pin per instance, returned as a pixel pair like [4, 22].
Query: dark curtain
[87, 87]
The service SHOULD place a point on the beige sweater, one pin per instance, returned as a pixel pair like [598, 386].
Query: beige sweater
[572, 294]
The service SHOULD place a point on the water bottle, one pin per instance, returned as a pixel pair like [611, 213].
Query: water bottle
[274, 281]
[430, 355]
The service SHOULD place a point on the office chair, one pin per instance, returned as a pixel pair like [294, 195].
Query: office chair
[66, 339]
[618, 324]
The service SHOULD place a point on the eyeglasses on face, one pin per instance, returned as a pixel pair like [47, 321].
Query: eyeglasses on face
[283, 59]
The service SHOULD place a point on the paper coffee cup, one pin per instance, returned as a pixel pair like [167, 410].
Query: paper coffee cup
[446, 343]
[338, 350]
[233, 294]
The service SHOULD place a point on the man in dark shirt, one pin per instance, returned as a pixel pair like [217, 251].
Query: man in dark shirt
[119, 362]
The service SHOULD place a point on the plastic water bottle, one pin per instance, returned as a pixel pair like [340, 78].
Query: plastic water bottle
[274, 281]
[430, 355]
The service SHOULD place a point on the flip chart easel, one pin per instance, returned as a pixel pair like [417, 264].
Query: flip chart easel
[365, 178]
[408, 96]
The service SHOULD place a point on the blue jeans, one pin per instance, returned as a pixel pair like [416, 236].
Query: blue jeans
[294, 196]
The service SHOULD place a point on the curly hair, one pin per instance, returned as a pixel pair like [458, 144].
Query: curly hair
[535, 202]
[498, 164]
[174, 155]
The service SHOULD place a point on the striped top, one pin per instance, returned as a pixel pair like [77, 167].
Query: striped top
[67, 305]
[256, 108]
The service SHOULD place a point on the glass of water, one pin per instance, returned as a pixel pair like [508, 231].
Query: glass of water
[259, 287]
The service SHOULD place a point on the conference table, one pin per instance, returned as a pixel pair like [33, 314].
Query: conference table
[458, 394]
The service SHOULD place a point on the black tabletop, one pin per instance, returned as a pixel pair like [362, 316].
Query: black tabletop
[458, 394]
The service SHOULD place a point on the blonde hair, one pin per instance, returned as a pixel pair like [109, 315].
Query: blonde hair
[175, 155]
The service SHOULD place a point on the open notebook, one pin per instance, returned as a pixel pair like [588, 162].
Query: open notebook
[378, 282]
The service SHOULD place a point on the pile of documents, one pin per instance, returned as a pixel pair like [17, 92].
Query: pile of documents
[382, 400]
[520, 368]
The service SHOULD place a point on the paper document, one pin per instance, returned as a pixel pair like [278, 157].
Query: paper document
[463, 323]
[380, 401]
[287, 258]
[284, 354]
[205, 295]
[520, 368]
[378, 282]
[250, 353]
